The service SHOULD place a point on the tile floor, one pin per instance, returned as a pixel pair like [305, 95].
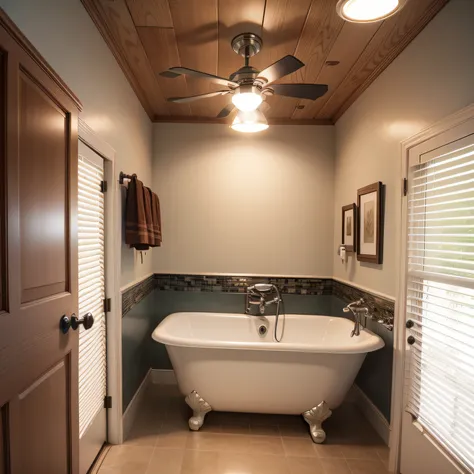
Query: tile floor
[231, 443]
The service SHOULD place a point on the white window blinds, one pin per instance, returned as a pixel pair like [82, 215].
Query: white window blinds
[92, 343]
[440, 297]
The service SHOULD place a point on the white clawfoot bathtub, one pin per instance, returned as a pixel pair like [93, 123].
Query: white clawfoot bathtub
[224, 359]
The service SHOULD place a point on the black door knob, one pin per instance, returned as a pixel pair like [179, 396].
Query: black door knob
[409, 324]
[64, 324]
[411, 340]
[87, 321]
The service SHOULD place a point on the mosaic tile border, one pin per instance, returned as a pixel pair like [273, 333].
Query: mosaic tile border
[134, 294]
[238, 284]
[380, 307]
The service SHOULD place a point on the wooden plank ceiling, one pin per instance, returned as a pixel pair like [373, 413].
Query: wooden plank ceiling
[149, 36]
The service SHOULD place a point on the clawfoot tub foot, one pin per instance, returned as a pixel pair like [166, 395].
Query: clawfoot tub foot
[315, 418]
[200, 409]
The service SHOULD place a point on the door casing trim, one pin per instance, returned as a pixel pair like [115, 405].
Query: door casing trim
[112, 280]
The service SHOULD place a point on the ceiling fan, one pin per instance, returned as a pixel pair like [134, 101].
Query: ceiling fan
[248, 86]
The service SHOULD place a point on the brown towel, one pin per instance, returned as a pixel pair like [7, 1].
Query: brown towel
[136, 228]
[155, 210]
[149, 215]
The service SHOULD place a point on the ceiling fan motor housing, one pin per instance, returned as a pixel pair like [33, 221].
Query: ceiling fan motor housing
[245, 75]
[247, 44]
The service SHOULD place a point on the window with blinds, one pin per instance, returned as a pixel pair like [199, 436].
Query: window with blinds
[92, 343]
[440, 297]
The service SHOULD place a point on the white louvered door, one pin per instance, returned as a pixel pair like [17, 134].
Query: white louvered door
[438, 423]
[92, 342]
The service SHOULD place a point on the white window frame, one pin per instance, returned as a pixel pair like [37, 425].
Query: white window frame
[428, 135]
[113, 235]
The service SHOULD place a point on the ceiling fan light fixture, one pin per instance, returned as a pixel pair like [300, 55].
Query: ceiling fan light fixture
[247, 98]
[249, 122]
[367, 11]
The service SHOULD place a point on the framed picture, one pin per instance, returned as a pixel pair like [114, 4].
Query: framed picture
[369, 203]
[349, 227]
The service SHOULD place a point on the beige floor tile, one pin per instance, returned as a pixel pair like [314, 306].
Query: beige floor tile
[265, 445]
[268, 464]
[226, 418]
[264, 419]
[328, 450]
[127, 460]
[361, 466]
[200, 462]
[335, 466]
[286, 420]
[229, 443]
[297, 430]
[235, 428]
[230, 463]
[211, 428]
[244, 463]
[299, 447]
[218, 442]
[384, 453]
[143, 433]
[166, 461]
[172, 439]
[355, 451]
[304, 465]
[265, 430]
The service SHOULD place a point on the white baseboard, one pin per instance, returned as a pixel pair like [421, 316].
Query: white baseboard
[371, 412]
[163, 377]
[133, 407]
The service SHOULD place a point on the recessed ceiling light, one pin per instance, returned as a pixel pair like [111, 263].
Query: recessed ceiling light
[367, 11]
[250, 122]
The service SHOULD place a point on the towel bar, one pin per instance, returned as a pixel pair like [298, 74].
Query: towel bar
[123, 176]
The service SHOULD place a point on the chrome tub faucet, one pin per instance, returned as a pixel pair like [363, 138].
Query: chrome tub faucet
[358, 310]
[257, 295]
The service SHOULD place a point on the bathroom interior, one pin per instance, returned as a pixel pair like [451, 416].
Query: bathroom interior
[273, 278]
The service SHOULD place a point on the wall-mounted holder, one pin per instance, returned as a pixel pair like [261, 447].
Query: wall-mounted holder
[342, 252]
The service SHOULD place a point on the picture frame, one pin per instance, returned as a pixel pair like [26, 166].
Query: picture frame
[370, 223]
[349, 227]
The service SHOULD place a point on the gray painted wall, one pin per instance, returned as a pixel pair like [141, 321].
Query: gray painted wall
[140, 352]
[137, 326]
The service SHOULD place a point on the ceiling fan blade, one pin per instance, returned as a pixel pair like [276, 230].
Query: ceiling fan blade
[192, 98]
[281, 68]
[226, 111]
[300, 91]
[178, 71]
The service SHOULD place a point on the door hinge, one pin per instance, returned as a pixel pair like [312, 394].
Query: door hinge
[108, 402]
[107, 305]
[103, 186]
[405, 186]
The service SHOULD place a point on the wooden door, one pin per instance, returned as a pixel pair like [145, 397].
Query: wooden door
[38, 248]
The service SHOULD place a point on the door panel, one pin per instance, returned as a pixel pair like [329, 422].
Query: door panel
[43, 193]
[3, 459]
[50, 392]
[38, 363]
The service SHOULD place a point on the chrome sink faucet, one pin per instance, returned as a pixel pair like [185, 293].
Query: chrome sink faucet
[257, 295]
[357, 310]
